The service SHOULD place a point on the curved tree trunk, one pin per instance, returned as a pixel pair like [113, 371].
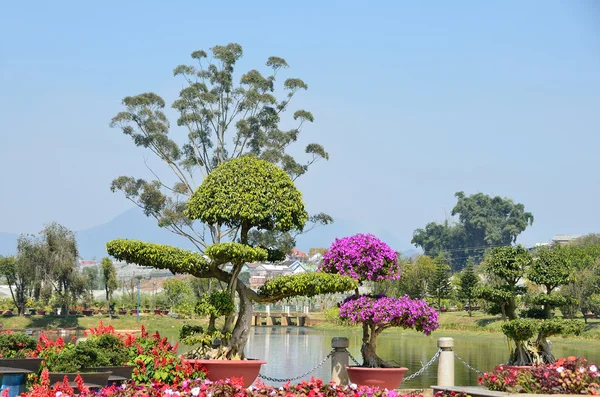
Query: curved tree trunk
[521, 355]
[544, 349]
[239, 337]
[369, 348]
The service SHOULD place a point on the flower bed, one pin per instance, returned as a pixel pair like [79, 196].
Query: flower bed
[205, 388]
[572, 375]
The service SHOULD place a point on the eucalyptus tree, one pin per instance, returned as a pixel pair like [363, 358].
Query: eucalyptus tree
[222, 115]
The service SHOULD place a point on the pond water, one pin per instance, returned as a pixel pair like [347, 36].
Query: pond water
[292, 351]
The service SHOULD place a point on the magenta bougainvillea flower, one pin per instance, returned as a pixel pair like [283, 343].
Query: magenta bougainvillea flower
[363, 257]
[385, 312]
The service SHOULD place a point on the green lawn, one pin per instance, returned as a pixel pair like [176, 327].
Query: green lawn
[125, 322]
[451, 321]
[479, 322]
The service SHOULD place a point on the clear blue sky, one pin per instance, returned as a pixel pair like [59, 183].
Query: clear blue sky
[413, 100]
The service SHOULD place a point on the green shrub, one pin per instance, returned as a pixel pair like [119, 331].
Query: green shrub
[16, 345]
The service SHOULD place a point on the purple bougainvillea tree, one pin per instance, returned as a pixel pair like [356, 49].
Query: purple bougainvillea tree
[366, 258]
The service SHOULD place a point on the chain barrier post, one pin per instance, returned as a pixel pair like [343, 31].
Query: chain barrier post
[445, 376]
[339, 360]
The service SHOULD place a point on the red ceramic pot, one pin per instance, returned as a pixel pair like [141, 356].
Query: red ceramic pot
[223, 369]
[389, 378]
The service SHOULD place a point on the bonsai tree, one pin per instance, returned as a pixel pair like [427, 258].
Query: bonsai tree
[504, 268]
[243, 194]
[521, 332]
[550, 270]
[365, 257]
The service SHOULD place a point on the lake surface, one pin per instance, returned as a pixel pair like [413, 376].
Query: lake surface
[291, 351]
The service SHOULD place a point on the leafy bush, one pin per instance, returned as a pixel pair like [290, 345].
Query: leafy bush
[154, 358]
[16, 345]
[570, 375]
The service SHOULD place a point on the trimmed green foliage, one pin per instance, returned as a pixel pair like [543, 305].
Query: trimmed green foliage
[248, 192]
[305, 284]
[159, 256]
[236, 253]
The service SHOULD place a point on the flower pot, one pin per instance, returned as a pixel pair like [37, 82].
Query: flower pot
[29, 364]
[389, 378]
[223, 369]
[122, 312]
[87, 312]
[7, 313]
[157, 312]
[41, 312]
[72, 312]
[94, 380]
[165, 312]
[133, 312]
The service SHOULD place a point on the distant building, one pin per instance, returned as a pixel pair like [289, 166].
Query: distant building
[565, 238]
[297, 255]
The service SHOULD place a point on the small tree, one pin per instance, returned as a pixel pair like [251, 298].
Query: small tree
[22, 271]
[59, 256]
[241, 194]
[504, 268]
[17, 272]
[550, 270]
[366, 258]
[440, 286]
[416, 277]
[109, 279]
[467, 285]
[176, 291]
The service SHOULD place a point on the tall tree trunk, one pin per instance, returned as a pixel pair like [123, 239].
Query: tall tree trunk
[108, 301]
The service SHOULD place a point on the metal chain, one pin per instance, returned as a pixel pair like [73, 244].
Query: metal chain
[352, 358]
[420, 372]
[467, 364]
[319, 365]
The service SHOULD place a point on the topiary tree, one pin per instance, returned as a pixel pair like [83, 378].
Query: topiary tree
[243, 194]
[504, 268]
[522, 331]
[366, 258]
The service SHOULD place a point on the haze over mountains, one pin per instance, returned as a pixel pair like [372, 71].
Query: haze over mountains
[133, 224]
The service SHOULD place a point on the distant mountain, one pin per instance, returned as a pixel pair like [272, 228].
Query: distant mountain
[8, 243]
[133, 224]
